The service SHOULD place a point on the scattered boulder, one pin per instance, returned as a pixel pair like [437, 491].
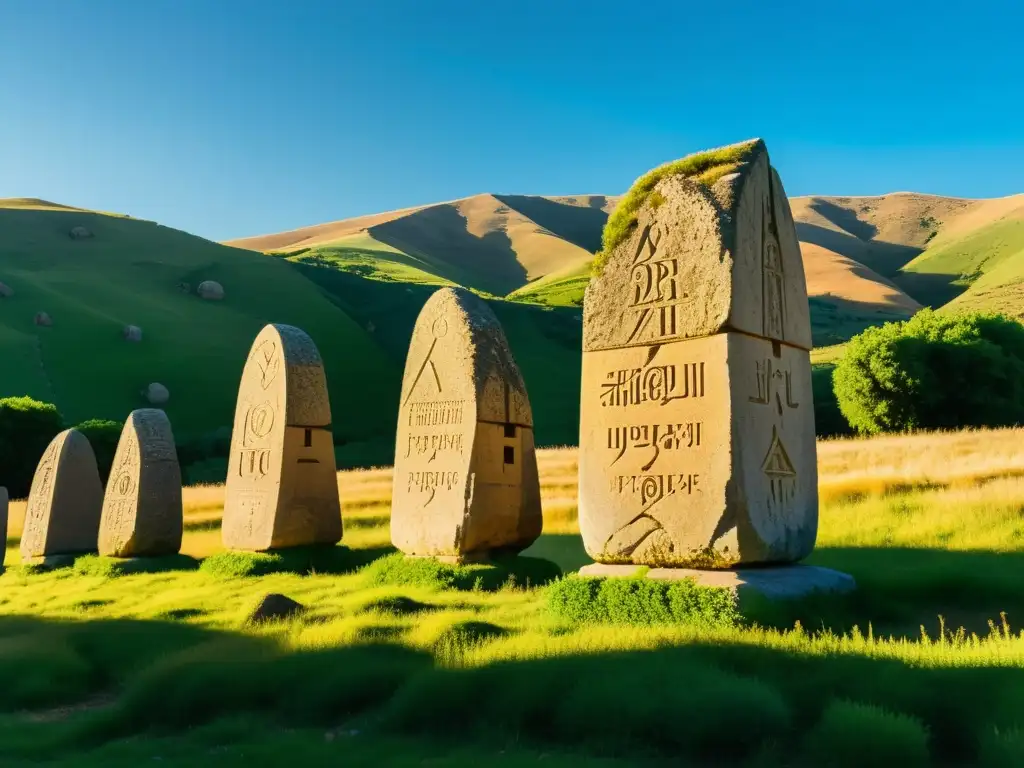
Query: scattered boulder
[157, 394]
[79, 233]
[275, 607]
[6, 291]
[132, 333]
[43, 319]
[210, 290]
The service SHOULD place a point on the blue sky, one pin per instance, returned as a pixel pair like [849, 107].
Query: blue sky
[228, 118]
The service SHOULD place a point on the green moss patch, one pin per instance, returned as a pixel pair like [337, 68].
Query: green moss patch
[297, 560]
[642, 602]
[399, 570]
[96, 565]
[703, 167]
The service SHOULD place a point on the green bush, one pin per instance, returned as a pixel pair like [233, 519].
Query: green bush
[854, 735]
[642, 602]
[26, 427]
[933, 371]
[103, 435]
[398, 570]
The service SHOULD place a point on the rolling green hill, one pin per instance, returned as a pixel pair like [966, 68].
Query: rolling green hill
[130, 272]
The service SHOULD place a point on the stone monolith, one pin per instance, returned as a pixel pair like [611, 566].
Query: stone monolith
[282, 488]
[697, 444]
[62, 516]
[465, 478]
[142, 514]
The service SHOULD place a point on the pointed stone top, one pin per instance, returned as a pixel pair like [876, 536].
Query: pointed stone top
[284, 356]
[457, 334]
[700, 246]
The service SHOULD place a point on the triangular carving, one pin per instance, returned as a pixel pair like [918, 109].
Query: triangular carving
[776, 463]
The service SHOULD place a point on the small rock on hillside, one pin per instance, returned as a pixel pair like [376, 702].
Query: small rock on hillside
[132, 333]
[275, 606]
[157, 394]
[79, 233]
[210, 290]
[42, 318]
[6, 291]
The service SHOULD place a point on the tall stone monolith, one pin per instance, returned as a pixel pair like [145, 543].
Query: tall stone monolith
[282, 488]
[465, 478]
[142, 514]
[697, 444]
[62, 516]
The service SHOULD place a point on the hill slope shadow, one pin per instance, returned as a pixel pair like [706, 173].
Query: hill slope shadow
[579, 225]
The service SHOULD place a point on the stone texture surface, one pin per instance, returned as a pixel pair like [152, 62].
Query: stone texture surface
[705, 260]
[63, 511]
[465, 479]
[281, 488]
[156, 394]
[210, 290]
[697, 444]
[142, 514]
[783, 582]
[275, 607]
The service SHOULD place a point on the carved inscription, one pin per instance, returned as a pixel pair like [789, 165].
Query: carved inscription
[656, 290]
[658, 384]
[35, 522]
[437, 413]
[431, 445]
[431, 482]
[268, 361]
[781, 473]
[654, 488]
[773, 280]
[657, 437]
[773, 384]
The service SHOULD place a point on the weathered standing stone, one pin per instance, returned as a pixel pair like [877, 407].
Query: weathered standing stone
[282, 488]
[210, 290]
[63, 512]
[697, 444]
[43, 319]
[156, 394]
[132, 333]
[465, 478]
[142, 515]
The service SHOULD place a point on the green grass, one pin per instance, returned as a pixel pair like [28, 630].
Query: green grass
[703, 167]
[403, 662]
[564, 288]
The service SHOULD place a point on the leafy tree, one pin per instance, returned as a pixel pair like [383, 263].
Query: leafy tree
[103, 435]
[26, 427]
[933, 371]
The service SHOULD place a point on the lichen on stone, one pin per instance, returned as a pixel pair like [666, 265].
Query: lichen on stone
[704, 168]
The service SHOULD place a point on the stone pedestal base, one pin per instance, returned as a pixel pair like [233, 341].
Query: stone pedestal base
[782, 582]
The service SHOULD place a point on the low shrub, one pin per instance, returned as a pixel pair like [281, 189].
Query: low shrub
[853, 735]
[642, 602]
[399, 570]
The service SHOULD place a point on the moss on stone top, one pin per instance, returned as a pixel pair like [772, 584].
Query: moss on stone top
[703, 167]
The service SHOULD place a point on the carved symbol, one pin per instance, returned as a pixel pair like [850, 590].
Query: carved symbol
[439, 328]
[254, 464]
[261, 419]
[779, 469]
[124, 485]
[773, 279]
[767, 376]
[433, 368]
[268, 363]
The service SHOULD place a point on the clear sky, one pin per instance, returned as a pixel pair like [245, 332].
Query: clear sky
[229, 118]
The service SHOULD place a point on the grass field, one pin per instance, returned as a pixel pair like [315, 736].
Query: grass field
[104, 669]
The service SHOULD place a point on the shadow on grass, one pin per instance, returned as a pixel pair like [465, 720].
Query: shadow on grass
[564, 549]
[714, 702]
[96, 565]
[901, 589]
[303, 561]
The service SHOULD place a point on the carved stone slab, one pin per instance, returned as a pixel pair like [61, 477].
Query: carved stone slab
[142, 515]
[705, 260]
[697, 445]
[62, 516]
[282, 488]
[465, 479]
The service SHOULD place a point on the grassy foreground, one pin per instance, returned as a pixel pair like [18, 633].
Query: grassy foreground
[918, 667]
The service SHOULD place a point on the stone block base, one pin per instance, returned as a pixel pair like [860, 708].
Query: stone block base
[782, 582]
